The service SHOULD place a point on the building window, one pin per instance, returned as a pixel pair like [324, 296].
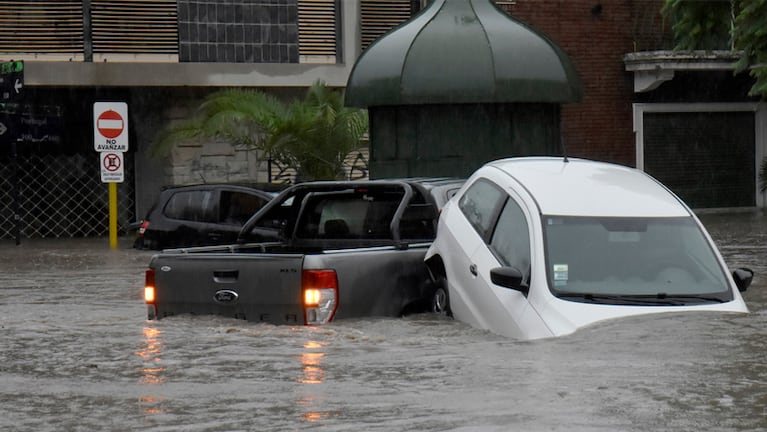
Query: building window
[318, 31]
[134, 30]
[379, 16]
[49, 30]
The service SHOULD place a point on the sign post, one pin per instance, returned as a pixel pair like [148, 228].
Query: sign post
[110, 139]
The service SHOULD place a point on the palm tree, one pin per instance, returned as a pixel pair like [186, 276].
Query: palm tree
[312, 135]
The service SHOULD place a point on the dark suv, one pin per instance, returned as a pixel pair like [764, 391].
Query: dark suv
[201, 215]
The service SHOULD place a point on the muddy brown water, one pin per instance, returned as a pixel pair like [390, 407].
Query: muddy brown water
[76, 354]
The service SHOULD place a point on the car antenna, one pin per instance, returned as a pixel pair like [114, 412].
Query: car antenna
[564, 149]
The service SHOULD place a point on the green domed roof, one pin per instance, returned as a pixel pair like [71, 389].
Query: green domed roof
[462, 51]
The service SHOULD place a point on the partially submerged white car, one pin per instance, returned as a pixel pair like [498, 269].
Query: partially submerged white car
[539, 246]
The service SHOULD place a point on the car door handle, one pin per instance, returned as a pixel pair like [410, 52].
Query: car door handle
[473, 269]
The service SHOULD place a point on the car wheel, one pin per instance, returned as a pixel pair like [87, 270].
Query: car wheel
[440, 300]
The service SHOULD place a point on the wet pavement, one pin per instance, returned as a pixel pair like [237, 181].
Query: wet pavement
[76, 354]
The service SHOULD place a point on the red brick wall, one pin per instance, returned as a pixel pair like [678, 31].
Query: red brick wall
[596, 38]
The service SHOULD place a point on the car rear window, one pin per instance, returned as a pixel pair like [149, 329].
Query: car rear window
[359, 214]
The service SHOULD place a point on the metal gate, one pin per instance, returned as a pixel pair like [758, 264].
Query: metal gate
[61, 196]
[704, 152]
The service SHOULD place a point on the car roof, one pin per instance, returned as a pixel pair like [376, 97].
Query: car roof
[580, 187]
[426, 183]
[263, 188]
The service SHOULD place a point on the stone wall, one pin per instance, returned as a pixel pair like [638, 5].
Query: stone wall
[215, 162]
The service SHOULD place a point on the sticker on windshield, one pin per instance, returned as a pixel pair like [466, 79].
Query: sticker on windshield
[560, 274]
[554, 221]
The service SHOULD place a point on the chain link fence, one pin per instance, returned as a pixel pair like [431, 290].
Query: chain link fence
[61, 196]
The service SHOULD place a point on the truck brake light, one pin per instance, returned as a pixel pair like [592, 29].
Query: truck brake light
[320, 290]
[149, 295]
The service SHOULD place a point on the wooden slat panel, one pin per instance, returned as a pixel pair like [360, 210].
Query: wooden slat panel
[379, 16]
[41, 27]
[134, 26]
[317, 28]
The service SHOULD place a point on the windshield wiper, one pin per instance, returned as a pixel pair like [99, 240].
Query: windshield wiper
[692, 298]
[619, 299]
[659, 299]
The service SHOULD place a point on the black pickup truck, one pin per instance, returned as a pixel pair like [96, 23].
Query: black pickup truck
[318, 251]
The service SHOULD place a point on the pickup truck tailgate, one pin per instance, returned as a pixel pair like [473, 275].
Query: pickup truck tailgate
[255, 287]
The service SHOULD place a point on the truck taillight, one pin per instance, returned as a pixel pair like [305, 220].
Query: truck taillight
[149, 286]
[149, 295]
[320, 289]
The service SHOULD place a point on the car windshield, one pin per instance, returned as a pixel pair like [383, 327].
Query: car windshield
[632, 260]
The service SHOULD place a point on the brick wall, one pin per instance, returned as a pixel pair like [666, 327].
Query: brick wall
[238, 31]
[595, 35]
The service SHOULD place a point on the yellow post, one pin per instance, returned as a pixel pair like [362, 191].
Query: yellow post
[113, 215]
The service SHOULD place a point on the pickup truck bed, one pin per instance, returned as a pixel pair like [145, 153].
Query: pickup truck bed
[319, 251]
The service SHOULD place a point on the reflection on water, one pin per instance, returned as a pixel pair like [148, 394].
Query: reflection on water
[312, 372]
[151, 370]
[150, 405]
[311, 415]
[311, 363]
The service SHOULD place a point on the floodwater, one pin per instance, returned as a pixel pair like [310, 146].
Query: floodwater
[76, 354]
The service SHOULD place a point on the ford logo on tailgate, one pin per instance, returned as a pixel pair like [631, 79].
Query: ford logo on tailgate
[225, 296]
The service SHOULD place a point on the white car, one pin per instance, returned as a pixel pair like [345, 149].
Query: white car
[538, 247]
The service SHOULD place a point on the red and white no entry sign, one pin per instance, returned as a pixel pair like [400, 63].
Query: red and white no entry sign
[110, 126]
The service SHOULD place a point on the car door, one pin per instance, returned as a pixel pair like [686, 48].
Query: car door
[468, 224]
[504, 309]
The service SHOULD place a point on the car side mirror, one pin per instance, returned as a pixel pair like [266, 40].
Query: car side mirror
[743, 278]
[509, 277]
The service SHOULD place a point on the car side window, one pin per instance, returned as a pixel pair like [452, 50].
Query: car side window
[197, 206]
[237, 207]
[511, 238]
[480, 204]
